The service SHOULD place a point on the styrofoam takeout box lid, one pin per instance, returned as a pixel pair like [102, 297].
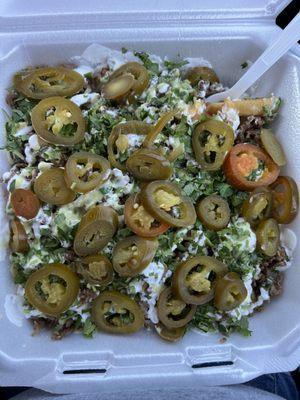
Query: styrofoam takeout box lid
[10, 8]
[57, 14]
[36, 32]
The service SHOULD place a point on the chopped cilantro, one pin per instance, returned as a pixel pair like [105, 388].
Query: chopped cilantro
[22, 109]
[49, 243]
[235, 325]
[257, 172]
[12, 186]
[68, 130]
[89, 76]
[271, 112]
[189, 189]
[204, 318]
[175, 64]
[208, 319]
[89, 328]
[224, 189]
[148, 64]
[19, 275]
[100, 125]
[14, 145]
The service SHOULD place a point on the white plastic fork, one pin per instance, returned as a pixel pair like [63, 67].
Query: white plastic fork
[287, 38]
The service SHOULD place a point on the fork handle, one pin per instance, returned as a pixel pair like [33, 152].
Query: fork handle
[287, 38]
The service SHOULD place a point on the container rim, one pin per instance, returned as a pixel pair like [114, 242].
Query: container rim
[20, 16]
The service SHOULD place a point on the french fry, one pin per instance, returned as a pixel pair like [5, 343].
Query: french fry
[244, 107]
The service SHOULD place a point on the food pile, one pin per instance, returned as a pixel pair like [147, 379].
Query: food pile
[133, 202]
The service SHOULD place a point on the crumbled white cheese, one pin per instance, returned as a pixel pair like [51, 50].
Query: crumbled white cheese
[174, 142]
[134, 140]
[229, 116]
[93, 55]
[51, 153]
[33, 262]
[23, 129]
[149, 286]
[116, 59]
[274, 104]
[153, 275]
[129, 57]
[192, 163]
[288, 240]
[264, 296]
[244, 240]
[31, 149]
[109, 195]
[199, 240]
[163, 87]
[80, 99]
[154, 81]
[192, 111]
[34, 142]
[72, 217]
[113, 200]
[148, 120]
[81, 310]
[150, 110]
[249, 244]
[214, 315]
[98, 56]
[71, 214]
[28, 155]
[21, 180]
[113, 113]
[31, 313]
[185, 256]
[41, 221]
[119, 180]
[151, 93]
[44, 166]
[135, 286]
[247, 307]
[157, 60]
[38, 255]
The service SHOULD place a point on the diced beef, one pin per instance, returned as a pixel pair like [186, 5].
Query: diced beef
[87, 295]
[95, 82]
[68, 327]
[40, 323]
[249, 129]
[269, 274]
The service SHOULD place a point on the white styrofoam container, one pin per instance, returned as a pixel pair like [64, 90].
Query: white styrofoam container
[31, 33]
